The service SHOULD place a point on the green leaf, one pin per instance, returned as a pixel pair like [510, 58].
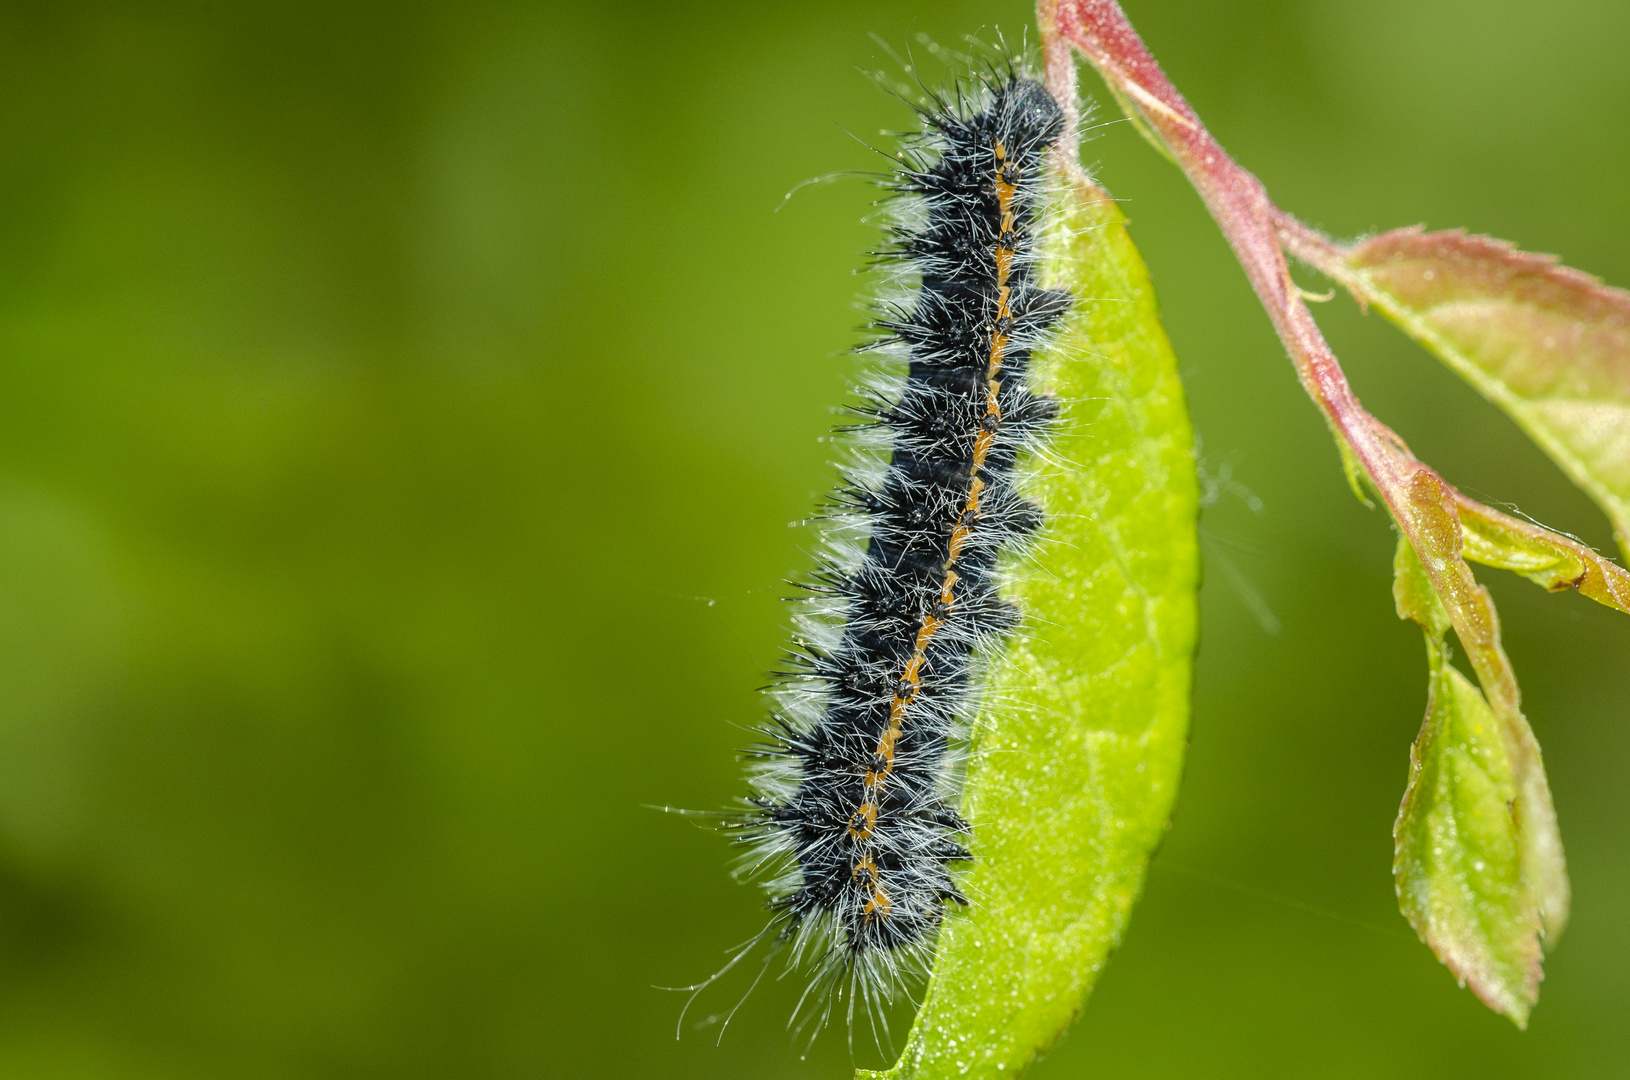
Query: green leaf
[1476, 858]
[1548, 344]
[1414, 596]
[1456, 856]
[1540, 555]
[1553, 347]
[1080, 746]
[1572, 401]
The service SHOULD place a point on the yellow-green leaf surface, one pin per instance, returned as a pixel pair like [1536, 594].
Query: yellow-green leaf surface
[1456, 862]
[1548, 344]
[1540, 555]
[1476, 859]
[1079, 748]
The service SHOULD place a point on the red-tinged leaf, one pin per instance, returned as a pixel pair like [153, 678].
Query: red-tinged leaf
[1548, 344]
[1540, 555]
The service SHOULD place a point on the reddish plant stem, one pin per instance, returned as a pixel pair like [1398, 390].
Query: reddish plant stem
[1423, 505]
[1427, 510]
[1238, 201]
[1317, 250]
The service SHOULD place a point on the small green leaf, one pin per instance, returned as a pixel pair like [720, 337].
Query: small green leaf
[1548, 344]
[1080, 746]
[1414, 596]
[1540, 555]
[1476, 858]
[1456, 857]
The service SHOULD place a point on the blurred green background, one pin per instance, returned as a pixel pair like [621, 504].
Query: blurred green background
[401, 412]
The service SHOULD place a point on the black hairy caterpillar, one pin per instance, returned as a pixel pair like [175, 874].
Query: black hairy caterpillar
[851, 825]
